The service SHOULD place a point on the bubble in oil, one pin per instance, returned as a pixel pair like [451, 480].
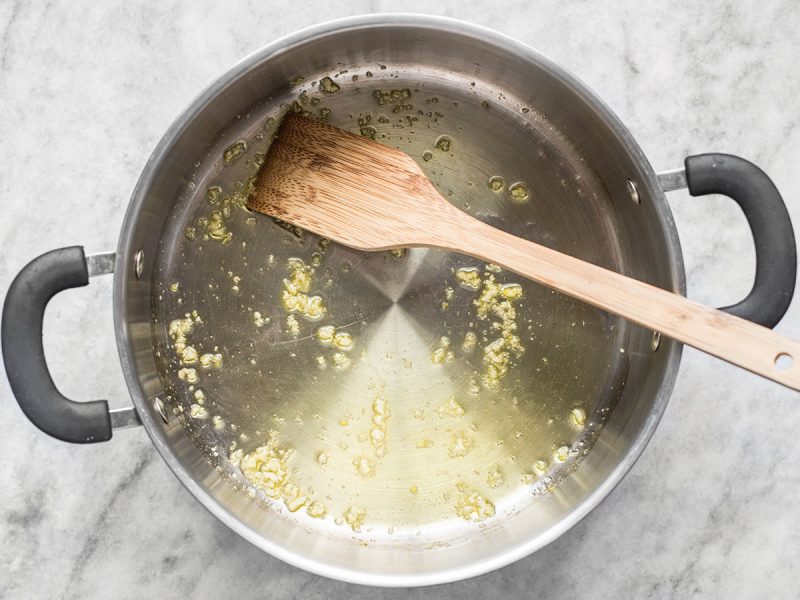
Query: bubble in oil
[495, 477]
[519, 192]
[444, 143]
[325, 334]
[355, 516]
[460, 444]
[292, 326]
[561, 453]
[365, 466]
[213, 193]
[577, 417]
[328, 86]
[341, 361]
[211, 360]
[443, 353]
[496, 183]
[260, 320]
[188, 375]
[470, 342]
[233, 152]
[343, 341]
[316, 510]
[469, 278]
[471, 505]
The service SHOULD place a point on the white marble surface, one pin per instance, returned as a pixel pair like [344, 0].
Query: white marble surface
[713, 506]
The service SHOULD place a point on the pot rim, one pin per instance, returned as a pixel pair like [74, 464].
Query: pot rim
[126, 352]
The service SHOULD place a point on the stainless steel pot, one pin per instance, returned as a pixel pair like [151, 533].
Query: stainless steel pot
[507, 111]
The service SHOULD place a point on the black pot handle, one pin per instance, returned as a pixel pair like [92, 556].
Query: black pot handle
[776, 251]
[23, 353]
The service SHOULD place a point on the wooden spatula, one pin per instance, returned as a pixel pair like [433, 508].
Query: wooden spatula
[363, 194]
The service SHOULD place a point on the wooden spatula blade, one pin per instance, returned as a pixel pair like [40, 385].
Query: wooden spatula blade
[345, 187]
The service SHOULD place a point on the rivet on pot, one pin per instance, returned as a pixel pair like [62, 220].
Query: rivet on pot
[158, 404]
[138, 263]
[655, 341]
[633, 190]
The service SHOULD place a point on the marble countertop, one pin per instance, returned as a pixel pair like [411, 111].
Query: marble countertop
[710, 510]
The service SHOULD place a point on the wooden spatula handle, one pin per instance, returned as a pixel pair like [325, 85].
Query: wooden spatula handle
[730, 338]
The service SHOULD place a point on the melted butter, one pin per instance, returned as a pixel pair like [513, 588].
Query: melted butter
[343, 456]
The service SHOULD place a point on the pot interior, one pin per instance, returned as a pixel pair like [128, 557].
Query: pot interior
[408, 415]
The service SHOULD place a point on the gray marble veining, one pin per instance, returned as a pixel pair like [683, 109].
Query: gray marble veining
[712, 509]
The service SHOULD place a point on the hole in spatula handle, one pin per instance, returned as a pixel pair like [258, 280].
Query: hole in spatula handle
[784, 361]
